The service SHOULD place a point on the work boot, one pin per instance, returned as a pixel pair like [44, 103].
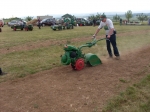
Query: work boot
[117, 58]
[109, 57]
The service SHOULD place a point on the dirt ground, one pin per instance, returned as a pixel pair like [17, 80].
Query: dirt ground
[64, 90]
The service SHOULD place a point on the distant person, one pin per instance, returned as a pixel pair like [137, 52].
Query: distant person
[120, 21]
[126, 22]
[54, 21]
[107, 24]
[67, 21]
[62, 21]
[94, 22]
[1, 73]
[149, 21]
[39, 24]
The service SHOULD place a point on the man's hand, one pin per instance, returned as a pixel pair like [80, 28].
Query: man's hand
[94, 36]
[108, 36]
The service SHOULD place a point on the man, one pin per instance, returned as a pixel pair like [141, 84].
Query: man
[94, 22]
[110, 35]
[120, 21]
[39, 24]
[1, 73]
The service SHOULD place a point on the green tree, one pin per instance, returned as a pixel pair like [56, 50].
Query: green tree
[128, 15]
[96, 17]
[29, 18]
[68, 16]
[91, 17]
[14, 18]
[142, 17]
[116, 17]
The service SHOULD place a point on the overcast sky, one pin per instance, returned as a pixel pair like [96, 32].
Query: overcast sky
[24, 8]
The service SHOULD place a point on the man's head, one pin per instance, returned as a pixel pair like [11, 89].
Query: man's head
[103, 18]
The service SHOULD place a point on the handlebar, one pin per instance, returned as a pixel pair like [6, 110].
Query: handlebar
[90, 44]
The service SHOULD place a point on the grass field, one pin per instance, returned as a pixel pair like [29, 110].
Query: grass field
[135, 98]
[26, 60]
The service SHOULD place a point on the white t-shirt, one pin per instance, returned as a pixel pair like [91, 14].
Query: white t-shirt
[107, 26]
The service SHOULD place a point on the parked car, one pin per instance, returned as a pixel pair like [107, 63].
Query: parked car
[81, 21]
[13, 22]
[47, 22]
[1, 22]
[16, 22]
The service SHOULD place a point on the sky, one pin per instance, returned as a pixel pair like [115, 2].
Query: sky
[33, 8]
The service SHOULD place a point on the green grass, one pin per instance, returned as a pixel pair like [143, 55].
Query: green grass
[135, 98]
[26, 62]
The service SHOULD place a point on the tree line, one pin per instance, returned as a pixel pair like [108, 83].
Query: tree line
[128, 15]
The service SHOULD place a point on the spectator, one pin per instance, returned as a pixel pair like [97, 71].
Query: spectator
[120, 21]
[53, 21]
[39, 24]
[1, 73]
[94, 22]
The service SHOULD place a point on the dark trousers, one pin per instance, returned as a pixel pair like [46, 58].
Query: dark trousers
[39, 25]
[112, 41]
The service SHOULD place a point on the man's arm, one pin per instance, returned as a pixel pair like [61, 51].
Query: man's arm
[96, 32]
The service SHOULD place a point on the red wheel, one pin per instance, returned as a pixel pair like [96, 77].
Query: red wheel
[79, 65]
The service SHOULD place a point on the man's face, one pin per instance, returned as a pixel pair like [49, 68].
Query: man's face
[103, 19]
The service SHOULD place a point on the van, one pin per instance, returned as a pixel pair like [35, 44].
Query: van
[1, 22]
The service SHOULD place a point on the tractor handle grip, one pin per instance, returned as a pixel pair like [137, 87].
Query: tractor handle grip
[90, 44]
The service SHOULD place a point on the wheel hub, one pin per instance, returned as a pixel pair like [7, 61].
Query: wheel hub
[79, 65]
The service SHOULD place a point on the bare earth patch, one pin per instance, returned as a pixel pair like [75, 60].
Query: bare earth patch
[65, 90]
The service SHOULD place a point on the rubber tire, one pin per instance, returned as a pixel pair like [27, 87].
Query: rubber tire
[79, 65]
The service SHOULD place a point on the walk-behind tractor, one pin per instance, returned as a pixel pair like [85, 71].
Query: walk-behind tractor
[62, 27]
[21, 27]
[73, 56]
[66, 23]
[15, 27]
[28, 27]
